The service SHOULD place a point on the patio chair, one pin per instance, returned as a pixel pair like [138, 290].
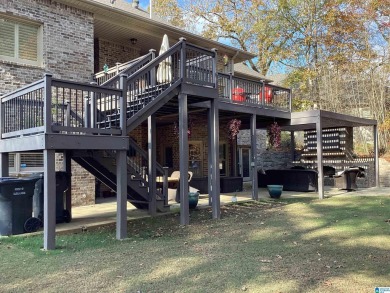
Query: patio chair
[347, 179]
[174, 193]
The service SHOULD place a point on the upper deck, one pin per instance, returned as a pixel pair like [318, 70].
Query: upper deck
[57, 107]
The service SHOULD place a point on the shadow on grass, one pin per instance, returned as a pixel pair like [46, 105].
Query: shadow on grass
[290, 245]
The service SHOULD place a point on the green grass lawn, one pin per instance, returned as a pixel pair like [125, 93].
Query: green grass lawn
[340, 244]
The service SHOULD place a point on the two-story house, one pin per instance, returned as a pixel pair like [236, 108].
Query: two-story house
[112, 109]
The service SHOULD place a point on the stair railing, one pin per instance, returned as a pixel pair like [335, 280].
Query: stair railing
[181, 63]
[128, 69]
[111, 75]
[137, 161]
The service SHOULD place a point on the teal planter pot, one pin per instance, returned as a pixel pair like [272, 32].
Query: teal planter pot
[193, 198]
[275, 191]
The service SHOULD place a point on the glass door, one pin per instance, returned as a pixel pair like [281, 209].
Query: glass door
[245, 163]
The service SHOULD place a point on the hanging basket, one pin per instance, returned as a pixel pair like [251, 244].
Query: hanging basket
[274, 135]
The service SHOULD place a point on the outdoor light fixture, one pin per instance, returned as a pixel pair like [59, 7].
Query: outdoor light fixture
[133, 41]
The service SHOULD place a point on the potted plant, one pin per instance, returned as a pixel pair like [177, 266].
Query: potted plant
[193, 198]
[275, 191]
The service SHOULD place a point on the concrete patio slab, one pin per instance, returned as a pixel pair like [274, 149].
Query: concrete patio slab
[104, 212]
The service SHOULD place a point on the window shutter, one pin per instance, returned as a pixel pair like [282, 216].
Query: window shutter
[28, 42]
[31, 160]
[7, 38]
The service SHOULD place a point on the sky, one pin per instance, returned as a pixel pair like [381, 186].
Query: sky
[275, 68]
[142, 3]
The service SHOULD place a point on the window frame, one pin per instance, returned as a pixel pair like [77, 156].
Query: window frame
[17, 22]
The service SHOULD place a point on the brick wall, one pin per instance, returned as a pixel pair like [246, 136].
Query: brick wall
[266, 159]
[67, 39]
[67, 54]
[166, 137]
[110, 53]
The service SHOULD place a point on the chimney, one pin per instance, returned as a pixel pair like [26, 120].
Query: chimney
[135, 3]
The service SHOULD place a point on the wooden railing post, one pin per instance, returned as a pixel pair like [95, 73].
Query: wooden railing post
[117, 67]
[230, 87]
[87, 112]
[183, 60]
[92, 104]
[47, 103]
[262, 92]
[67, 114]
[153, 70]
[123, 103]
[215, 64]
[165, 185]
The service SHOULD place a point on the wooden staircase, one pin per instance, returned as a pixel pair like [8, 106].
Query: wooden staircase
[102, 166]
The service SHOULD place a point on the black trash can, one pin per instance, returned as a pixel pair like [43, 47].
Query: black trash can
[62, 182]
[16, 206]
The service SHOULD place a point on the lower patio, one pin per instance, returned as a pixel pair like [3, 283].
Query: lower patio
[104, 211]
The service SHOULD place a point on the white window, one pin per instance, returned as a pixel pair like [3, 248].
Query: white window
[20, 163]
[20, 41]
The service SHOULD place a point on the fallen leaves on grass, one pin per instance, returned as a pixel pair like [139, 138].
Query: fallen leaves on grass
[327, 283]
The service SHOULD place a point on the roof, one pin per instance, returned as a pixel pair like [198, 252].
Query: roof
[119, 21]
[243, 70]
[278, 79]
[308, 119]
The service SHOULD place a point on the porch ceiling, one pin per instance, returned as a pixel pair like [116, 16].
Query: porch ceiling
[169, 113]
[308, 119]
[112, 23]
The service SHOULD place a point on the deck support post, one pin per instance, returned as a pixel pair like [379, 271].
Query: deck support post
[49, 207]
[255, 187]
[376, 155]
[213, 150]
[319, 158]
[183, 151]
[4, 164]
[152, 164]
[292, 145]
[67, 167]
[165, 185]
[121, 194]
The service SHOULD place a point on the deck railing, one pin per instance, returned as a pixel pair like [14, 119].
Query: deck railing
[247, 91]
[58, 106]
[53, 105]
[111, 77]
[181, 63]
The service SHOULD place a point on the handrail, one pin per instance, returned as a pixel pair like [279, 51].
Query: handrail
[85, 86]
[136, 62]
[143, 153]
[119, 67]
[155, 62]
[26, 89]
[246, 91]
